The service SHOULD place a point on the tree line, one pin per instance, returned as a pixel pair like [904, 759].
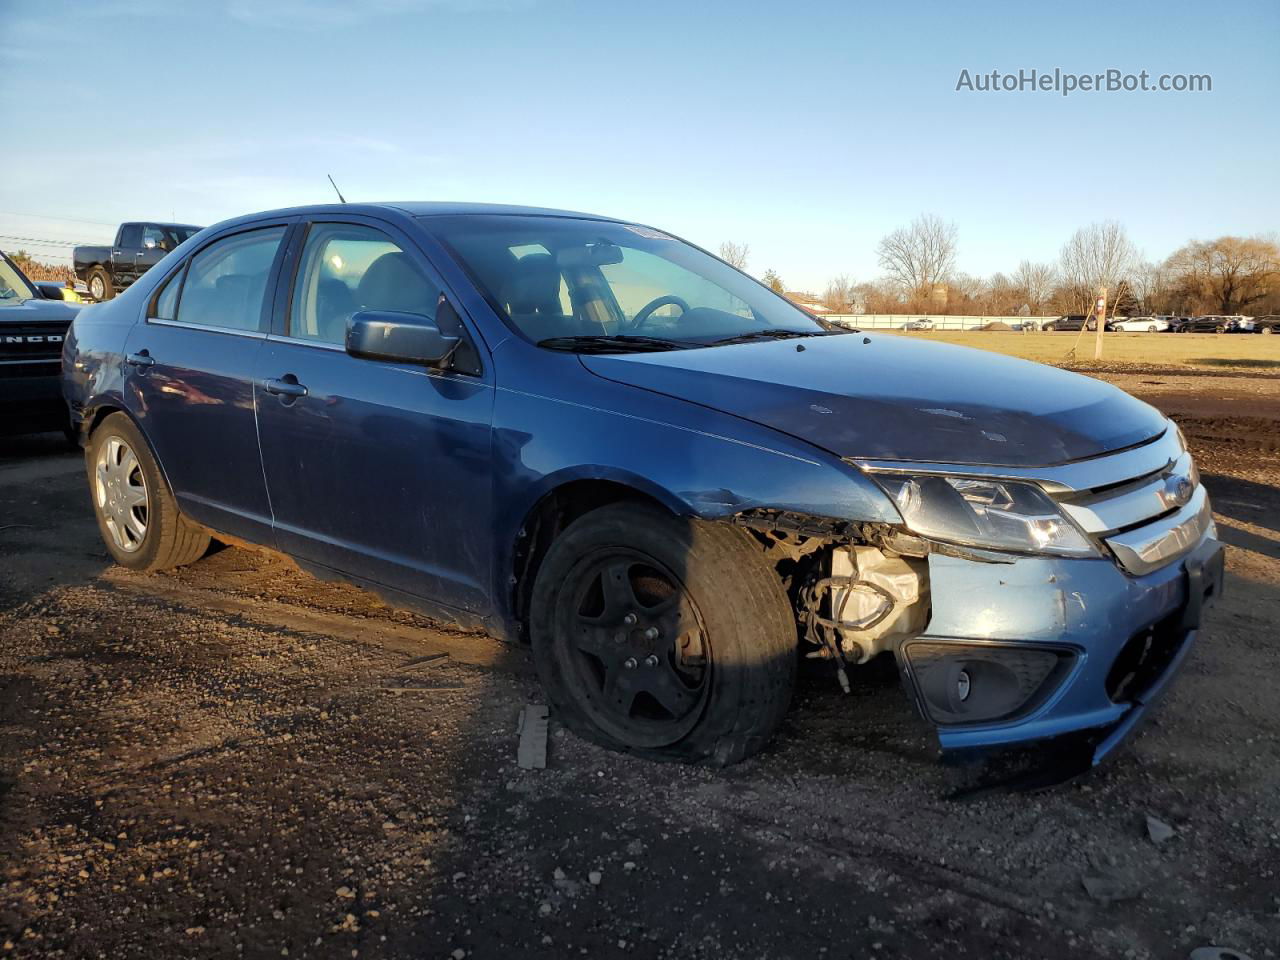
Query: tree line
[1229, 275]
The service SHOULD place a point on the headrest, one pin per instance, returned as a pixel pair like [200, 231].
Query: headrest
[534, 286]
[392, 282]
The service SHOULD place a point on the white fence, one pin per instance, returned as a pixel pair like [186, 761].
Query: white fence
[872, 321]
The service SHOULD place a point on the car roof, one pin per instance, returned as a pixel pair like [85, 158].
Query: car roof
[421, 208]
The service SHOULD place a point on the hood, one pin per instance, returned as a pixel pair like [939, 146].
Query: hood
[886, 397]
[38, 311]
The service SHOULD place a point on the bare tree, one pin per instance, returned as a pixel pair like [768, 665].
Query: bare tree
[1001, 297]
[1034, 283]
[734, 254]
[920, 256]
[1099, 255]
[1225, 275]
[839, 296]
[773, 281]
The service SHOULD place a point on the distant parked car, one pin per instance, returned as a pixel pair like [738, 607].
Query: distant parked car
[1210, 323]
[138, 248]
[1141, 324]
[920, 324]
[1240, 325]
[1267, 324]
[1074, 321]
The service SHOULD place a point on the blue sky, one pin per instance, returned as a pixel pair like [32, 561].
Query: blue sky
[807, 130]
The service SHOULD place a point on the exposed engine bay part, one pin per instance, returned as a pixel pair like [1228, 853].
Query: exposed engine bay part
[782, 524]
[864, 602]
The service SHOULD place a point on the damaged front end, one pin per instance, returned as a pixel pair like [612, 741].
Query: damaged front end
[1060, 612]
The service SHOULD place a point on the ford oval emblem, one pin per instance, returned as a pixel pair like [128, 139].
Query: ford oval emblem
[1178, 490]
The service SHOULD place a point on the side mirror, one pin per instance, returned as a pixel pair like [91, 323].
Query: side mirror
[50, 290]
[398, 337]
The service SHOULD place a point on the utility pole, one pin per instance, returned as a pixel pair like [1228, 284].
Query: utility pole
[1100, 311]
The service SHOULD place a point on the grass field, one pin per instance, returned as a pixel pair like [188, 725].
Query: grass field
[1163, 349]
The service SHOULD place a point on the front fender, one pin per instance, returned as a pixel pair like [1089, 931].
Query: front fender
[560, 424]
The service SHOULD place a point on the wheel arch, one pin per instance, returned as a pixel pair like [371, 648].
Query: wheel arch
[99, 411]
[563, 502]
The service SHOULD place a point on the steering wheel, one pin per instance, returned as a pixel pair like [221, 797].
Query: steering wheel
[646, 311]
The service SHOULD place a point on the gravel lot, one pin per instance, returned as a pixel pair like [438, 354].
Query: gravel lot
[238, 760]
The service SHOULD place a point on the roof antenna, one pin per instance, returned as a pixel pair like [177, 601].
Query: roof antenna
[335, 188]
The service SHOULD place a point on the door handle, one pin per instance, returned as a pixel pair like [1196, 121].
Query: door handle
[142, 359]
[285, 388]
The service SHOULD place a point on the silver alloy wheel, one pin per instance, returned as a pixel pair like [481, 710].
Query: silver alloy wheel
[121, 494]
[96, 287]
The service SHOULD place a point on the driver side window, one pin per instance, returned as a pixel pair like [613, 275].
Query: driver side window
[347, 268]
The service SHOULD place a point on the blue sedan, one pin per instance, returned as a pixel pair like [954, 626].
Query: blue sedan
[589, 436]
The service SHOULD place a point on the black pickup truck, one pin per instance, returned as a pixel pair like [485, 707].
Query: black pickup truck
[32, 329]
[138, 248]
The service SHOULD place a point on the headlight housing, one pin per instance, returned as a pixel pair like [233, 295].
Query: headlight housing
[980, 512]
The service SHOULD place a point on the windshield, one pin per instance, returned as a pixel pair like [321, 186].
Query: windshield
[568, 283]
[14, 288]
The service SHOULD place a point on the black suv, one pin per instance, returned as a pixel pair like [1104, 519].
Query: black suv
[32, 329]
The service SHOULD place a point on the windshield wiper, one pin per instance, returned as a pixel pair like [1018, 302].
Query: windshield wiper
[773, 333]
[615, 343]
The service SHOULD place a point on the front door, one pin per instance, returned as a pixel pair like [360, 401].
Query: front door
[152, 251]
[124, 255]
[190, 369]
[379, 470]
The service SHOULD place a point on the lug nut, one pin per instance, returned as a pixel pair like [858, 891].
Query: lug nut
[629, 663]
[651, 660]
[651, 633]
[629, 619]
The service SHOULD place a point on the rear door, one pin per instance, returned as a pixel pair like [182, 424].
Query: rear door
[380, 470]
[190, 375]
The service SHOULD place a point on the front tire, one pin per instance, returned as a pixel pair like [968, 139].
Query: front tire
[137, 516]
[667, 638]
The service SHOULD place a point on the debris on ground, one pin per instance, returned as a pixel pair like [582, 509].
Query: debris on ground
[1158, 830]
[532, 752]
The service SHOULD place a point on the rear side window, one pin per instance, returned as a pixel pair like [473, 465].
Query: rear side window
[166, 303]
[347, 268]
[227, 281]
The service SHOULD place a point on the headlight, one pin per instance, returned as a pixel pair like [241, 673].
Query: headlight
[1000, 514]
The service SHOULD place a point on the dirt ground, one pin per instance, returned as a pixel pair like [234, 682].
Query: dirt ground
[236, 760]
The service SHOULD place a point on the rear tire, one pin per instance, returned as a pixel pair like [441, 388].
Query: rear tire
[667, 638]
[137, 516]
[100, 285]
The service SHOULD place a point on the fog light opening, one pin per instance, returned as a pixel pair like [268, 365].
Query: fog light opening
[970, 683]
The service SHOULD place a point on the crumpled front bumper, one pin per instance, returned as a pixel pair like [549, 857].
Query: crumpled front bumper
[1091, 611]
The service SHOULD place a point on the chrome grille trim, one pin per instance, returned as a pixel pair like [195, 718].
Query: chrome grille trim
[1103, 513]
[1153, 546]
